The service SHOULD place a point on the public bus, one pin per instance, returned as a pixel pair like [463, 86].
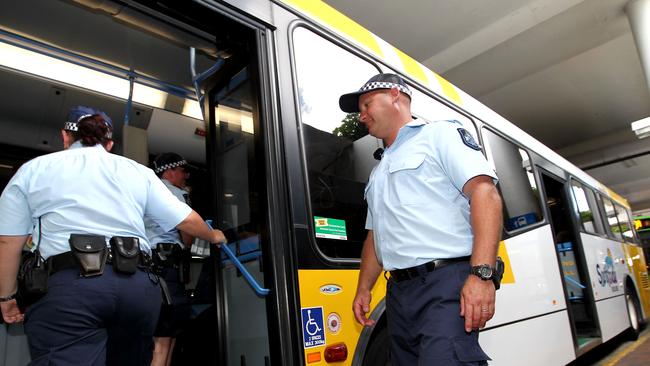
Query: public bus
[247, 91]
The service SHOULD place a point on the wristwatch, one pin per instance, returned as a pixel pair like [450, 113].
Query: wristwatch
[487, 272]
[7, 298]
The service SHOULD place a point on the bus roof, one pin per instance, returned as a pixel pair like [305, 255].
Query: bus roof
[332, 19]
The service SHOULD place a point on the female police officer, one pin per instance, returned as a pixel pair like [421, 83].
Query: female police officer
[104, 319]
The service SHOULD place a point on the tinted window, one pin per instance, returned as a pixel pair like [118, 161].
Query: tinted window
[516, 182]
[612, 220]
[338, 149]
[587, 209]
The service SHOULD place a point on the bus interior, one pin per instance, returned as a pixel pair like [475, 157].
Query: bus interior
[156, 68]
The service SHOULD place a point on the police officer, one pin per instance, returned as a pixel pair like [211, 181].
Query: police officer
[434, 216]
[103, 319]
[167, 247]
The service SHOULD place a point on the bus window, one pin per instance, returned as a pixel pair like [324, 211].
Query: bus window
[338, 149]
[612, 219]
[587, 209]
[516, 182]
[624, 223]
[432, 110]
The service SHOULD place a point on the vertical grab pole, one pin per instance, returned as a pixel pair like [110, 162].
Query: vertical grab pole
[129, 101]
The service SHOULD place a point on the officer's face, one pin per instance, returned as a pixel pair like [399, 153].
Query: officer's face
[178, 176]
[374, 108]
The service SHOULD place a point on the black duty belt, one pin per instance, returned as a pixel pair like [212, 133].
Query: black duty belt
[67, 260]
[412, 272]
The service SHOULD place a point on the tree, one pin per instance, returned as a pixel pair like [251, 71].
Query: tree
[351, 127]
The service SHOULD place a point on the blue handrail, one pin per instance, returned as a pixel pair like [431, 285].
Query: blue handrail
[198, 78]
[233, 258]
[574, 282]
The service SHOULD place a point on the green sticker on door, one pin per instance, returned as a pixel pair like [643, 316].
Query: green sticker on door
[330, 228]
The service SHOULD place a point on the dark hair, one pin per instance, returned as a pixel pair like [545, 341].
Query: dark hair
[92, 130]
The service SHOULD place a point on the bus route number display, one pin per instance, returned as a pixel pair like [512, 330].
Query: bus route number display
[313, 330]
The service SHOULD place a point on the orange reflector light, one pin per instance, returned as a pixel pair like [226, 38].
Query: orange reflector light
[336, 352]
[313, 357]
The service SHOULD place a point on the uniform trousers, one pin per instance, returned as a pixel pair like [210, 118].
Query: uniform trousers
[424, 322]
[173, 318]
[103, 320]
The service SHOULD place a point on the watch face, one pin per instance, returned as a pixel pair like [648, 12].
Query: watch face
[485, 272]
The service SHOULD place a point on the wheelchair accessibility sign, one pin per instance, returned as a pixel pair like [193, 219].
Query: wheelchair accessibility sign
[313, 331]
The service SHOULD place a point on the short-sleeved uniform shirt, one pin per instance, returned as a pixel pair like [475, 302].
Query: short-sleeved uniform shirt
[85, 190]
[416, 208]
[155, 233]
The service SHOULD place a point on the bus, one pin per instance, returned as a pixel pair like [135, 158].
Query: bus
[247, 91]
[642, 226]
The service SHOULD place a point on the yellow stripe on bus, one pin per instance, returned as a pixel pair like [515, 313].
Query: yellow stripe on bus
[412, 67]
[449, 90]
[508, 275]
[338, 21]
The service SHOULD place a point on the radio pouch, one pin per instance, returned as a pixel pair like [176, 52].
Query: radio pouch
[90, 252]
[126, 254]
[32, 279]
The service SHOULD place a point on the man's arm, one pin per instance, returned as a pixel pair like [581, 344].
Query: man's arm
[194, 225]
[10, 251]
[370, 270]
[477, 296]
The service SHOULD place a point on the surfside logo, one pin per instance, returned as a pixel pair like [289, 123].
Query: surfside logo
[330, 289]
[607, 273]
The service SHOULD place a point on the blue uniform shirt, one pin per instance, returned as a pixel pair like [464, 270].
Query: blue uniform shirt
[85, 190]
[157, 234]
[416, 208]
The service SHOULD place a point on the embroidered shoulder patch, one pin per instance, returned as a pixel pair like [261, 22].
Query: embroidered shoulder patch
[468, 139]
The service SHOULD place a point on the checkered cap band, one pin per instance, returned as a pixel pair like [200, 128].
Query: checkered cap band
[385, 85]
[162, 168]
[73, 126]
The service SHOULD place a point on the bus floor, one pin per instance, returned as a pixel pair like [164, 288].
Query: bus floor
[620, 351]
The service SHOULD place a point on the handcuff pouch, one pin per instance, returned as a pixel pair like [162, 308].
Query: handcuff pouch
[90, 252]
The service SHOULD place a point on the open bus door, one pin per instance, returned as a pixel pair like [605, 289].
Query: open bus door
[571, 257]
[240, 296]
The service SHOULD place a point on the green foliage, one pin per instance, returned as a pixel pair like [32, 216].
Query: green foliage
[586, 216]
[351, 127]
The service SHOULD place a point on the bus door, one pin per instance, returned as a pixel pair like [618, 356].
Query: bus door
[236, 300]
[575, 277]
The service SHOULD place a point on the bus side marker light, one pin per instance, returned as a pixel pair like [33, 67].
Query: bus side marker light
[336, 352]
[313, 357]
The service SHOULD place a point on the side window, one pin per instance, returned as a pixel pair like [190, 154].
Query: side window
[612, 220]
[516, 181]
[338, 149]
[624, 223]
[587, 208]
[431, 110]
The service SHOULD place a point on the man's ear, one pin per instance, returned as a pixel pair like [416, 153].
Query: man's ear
[394, 93]
[66, 138]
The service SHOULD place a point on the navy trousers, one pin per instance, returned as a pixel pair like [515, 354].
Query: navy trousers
[424, 321]
[173, 318]
[104, 320]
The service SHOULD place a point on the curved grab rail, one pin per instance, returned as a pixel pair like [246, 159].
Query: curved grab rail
[233, 258]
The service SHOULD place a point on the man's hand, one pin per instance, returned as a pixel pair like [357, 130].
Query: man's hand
[217, 237]
[361, 306]
[10, 312]
[477, 302]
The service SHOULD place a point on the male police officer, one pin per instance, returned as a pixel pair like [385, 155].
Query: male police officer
[167, 246]
[431, 204]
